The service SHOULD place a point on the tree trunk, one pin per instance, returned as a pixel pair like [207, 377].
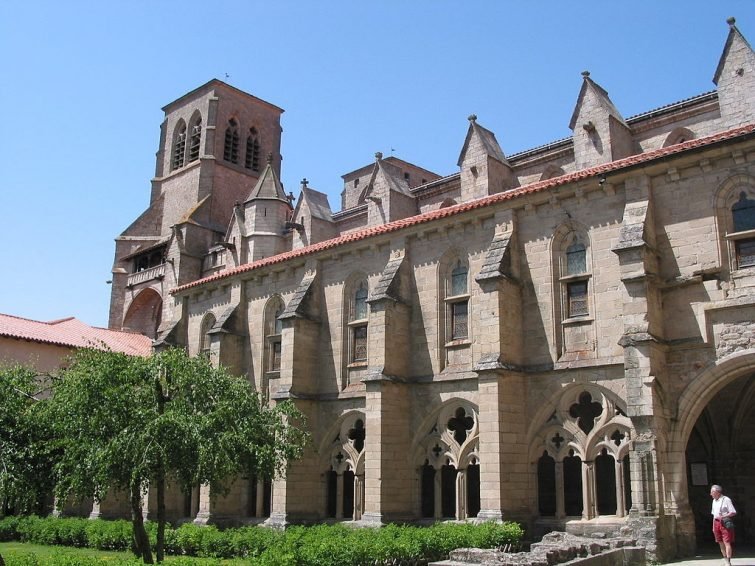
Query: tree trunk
[160, 548]
[141, 540]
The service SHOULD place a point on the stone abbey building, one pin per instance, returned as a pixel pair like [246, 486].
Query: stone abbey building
[563, 336]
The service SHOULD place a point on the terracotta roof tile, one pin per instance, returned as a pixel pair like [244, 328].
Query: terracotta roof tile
[475, 204]
[71, 332]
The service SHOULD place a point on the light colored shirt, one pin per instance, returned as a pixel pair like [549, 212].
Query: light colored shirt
[722, 506]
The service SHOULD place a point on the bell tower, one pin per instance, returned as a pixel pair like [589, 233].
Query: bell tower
[213, 143]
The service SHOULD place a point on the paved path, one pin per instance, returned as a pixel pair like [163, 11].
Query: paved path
[747, 559]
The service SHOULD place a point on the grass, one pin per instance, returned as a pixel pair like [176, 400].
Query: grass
[10, 549]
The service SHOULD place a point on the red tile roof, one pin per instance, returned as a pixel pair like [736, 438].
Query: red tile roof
[70, 332]
[479, 203]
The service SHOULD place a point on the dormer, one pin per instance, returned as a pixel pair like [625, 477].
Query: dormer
[484, 168]
[599, 131]
[735, 79]
[312, 220]
[387, 194]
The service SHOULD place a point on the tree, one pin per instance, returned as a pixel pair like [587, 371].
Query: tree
[23, 453]
[125, 423]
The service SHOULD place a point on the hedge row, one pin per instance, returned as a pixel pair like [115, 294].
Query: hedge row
[321, 545]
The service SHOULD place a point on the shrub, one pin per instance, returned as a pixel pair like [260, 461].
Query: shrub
[321, 545]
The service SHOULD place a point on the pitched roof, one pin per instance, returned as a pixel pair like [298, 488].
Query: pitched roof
[268, 186]
[487, 139]
[538, 186]
[318, 204]
[72, 333]
[734, 35]
[602, 97]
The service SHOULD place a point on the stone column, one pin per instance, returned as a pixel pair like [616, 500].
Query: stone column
[504, 469]
[388, 473]
[339, 495]
[438, 494]
[461, 495]
[620, 502]
[560, 505]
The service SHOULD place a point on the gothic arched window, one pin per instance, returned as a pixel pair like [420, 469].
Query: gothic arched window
[195, 138]
[252, 157]
[358, 324]
[179, 147]
[205, 338]
[458, 302]
[231, 146]
[743, 220]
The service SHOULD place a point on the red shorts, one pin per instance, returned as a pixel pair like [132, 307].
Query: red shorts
[721, 533]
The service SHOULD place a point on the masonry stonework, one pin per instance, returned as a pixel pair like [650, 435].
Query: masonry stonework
[563, 337]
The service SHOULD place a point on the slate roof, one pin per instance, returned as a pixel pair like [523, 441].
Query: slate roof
[641, 158]
[72, 333]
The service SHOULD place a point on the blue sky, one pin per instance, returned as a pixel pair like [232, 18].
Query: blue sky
[83, 84]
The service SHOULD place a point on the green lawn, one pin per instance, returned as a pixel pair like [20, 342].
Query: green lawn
[10, 549]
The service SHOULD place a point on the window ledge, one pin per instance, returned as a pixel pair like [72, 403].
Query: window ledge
[359, 322]
[740, 235]
[741, 272]
[576, 320]
[457, 298]
[577, 277]
[357, 365]
[460, 343]
[273, 374]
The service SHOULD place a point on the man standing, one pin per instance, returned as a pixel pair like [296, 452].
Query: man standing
[723, 527]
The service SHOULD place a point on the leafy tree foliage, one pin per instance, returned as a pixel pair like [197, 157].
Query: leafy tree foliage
[126, 423]
[24, 481]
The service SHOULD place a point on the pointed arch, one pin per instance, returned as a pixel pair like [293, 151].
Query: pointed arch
[144, 313]
[342, 454]
[231, 142]
[355, 321]
[273, 331]
[573, 296]
[734, 204]
[205, 338]
[178, 147]
[195, 136]
[252, 155]
[445, 453]
[454, 305]
[585, 424]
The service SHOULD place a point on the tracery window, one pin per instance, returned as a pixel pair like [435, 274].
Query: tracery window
[252, 157]
[231, 146]
[586, 438]
[179, 147]
[344, 476]
[194, 139]
[448, 464]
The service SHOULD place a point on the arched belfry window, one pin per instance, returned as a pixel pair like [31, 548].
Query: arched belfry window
[231, 146]
[358, 324]
[179, 147]
[195, 138]
[252, 157]
[204, 337]
[458, 302]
